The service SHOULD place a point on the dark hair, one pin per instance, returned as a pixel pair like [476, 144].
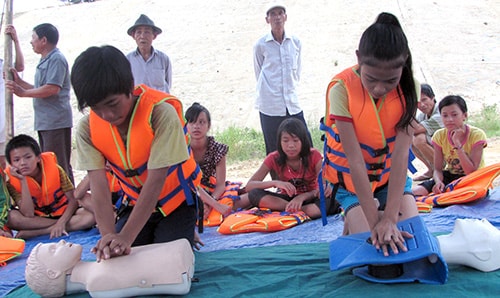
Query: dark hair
[427, 90]
[21, 141]
[194, 111]
[453, 99]
[294, 127]
[99, 72]
[385, 41]
[48, 31]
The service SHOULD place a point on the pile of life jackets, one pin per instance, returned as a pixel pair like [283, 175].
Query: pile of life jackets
[469, 188]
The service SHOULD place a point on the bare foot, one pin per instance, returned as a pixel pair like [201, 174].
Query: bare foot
[424, 176]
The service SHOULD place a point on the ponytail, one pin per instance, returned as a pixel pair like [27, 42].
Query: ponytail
[385, 41]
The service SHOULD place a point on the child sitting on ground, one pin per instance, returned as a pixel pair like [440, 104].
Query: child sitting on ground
[42, 192]
[209, 154]
[458, 147]
[83, 196]
[297, 166]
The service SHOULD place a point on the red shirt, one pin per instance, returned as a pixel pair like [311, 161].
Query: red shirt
[304, 179]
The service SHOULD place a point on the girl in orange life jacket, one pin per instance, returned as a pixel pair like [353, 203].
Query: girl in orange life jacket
[457, 146]
[42, 192]
[145, 130]
[369, 110]
[297, 166]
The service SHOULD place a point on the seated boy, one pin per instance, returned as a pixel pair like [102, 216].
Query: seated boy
[42, 192]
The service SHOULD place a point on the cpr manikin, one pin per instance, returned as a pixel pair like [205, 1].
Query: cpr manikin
[474, 243]
[56, 269]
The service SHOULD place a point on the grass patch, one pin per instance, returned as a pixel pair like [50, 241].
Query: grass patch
[248, 143]
[244, 143]
[488, 120]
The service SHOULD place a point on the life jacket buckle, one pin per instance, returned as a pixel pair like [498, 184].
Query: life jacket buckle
[376, 166]
[373, 177]
[378, 152]
[131, 173]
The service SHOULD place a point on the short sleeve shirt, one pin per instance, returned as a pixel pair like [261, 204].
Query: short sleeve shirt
[53, 112]
[303, 179]
[432, 123]
[213, 155]
[168, 147]
[475, 137]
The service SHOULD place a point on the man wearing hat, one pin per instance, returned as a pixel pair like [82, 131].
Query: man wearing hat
[277, 65]
[149, 66]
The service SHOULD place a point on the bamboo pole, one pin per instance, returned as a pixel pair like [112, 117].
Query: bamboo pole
[9, 103]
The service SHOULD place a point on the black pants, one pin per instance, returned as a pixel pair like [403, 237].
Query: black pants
[158, 229]
[270, 124]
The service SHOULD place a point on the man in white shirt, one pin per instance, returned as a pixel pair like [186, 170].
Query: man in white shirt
[149, 66]
[277, 65]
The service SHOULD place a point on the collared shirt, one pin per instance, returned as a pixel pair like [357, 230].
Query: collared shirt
[475, 137]
[432, 123]
[53, 112]
[156, 72]
[277, 70]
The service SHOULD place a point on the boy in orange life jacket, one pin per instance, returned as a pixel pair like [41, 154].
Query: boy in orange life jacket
[42, 193]
[142, 138]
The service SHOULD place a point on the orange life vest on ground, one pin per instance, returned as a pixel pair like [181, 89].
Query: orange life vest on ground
[48, 198]
[230, 194]
[10, 248]
[129, 163]
[261, 220]
[374, 124]
[468, 188]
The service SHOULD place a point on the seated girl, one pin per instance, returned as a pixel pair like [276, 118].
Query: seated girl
[297, 166]
[210, 156]
[458, 147]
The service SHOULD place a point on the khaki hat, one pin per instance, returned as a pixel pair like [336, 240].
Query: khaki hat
[143, 20]
[274, 4]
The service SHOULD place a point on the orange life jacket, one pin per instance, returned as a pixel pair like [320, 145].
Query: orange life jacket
[230, 194]
[468, 188]
[374, 124]
[10, 248]
[129, 163]
[114, 183]
[48, 198]
[261, 220]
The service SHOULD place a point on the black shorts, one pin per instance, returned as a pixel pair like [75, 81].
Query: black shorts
[255, 195]
[158, 229]
[447, 178]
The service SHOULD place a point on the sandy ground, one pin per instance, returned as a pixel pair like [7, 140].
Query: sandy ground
[455, 48]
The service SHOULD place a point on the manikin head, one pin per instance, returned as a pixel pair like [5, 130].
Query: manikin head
[474, 243]
[47, 266]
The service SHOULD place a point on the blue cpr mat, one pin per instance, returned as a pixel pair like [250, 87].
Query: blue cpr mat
[422, 262]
